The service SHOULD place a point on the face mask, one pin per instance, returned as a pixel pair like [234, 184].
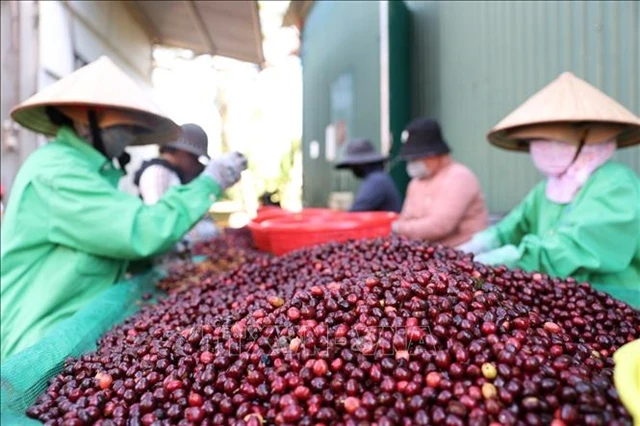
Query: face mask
[417, 169]
[115, 139]
[565, 177]
[552, 158]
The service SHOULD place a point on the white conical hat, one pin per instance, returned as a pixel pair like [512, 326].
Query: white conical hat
[571, 102]
[103, 86]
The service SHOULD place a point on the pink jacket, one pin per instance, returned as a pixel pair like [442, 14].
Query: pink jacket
[447, 208]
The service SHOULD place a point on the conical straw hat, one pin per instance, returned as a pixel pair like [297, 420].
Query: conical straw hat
[570, 103]
[104, 86]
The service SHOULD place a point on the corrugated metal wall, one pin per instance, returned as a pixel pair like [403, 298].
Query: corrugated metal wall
[339, 38]
[474, 62]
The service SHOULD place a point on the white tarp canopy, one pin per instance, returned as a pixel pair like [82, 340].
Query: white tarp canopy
[226, 28]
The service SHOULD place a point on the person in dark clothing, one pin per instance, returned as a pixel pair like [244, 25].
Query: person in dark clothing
[179, 163]
[377, 191]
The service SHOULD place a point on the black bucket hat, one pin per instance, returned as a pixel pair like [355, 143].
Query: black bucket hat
[357, 152]
[422, 138]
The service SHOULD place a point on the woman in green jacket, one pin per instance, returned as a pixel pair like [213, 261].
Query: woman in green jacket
[68, 233]
[584, 219]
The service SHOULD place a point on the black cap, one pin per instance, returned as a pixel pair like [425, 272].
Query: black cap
[422, 138]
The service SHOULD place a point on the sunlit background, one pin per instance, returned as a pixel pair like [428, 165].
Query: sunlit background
[245, 108]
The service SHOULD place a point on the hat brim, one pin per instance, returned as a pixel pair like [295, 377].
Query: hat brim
[187, 148]
[409, 155]
[348, 161]
[516, 139]
[412, 157]
[34, 117]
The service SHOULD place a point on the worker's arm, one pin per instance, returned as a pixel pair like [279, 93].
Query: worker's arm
[406, 212]
[444, 215]
[600, 234]
[507, 233]
[88, 214]
[518, 223]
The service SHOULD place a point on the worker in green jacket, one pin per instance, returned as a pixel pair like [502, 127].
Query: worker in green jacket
[68, 232]
[584, 219]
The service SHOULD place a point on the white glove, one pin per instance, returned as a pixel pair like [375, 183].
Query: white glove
[203, 230]
[506, 255]
[225, 170]
[481, 242]
[394, 227]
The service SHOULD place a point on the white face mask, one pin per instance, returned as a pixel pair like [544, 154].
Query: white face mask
[417, 169]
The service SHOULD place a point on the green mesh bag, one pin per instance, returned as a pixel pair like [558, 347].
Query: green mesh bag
[25, 375]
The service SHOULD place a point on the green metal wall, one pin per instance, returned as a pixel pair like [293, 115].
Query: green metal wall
[338, 38]
[474, 62]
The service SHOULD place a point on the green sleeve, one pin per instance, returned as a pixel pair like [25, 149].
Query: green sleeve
[88, 214]
[513, 227]
[600, 234]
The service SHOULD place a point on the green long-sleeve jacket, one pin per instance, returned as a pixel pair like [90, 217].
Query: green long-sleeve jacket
[595, 238]
[68, 234]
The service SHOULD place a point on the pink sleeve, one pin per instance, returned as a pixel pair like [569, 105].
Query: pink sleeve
[445, 214]
[407, 206]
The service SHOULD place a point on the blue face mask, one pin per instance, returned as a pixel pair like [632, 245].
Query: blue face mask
[116, 138]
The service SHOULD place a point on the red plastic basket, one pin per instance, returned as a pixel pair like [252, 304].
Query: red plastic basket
[289, 233]
[374, 224]
[264, 209]
[260, 237]
[259, 232]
